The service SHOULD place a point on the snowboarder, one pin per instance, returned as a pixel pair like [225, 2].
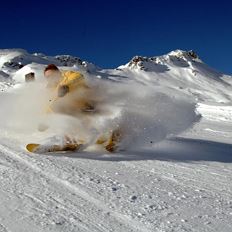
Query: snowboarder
[69, 91]
[70, 95]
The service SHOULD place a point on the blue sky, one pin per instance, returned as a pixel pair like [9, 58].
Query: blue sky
[109, 33]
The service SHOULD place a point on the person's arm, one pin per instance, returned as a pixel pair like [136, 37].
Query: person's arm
[62, 90]
[72, 81]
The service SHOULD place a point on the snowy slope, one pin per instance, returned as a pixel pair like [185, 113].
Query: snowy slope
[175, 171]
[12, 60]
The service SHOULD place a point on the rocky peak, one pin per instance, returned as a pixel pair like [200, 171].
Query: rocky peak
[67, 60]
[178, 57]
[184, 54]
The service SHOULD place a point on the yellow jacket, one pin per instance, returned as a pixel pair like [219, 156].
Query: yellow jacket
[75, 99]
[73, 80]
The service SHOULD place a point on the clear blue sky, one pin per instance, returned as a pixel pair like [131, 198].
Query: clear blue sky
[109, 33]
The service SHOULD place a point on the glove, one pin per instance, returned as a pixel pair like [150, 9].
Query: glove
[63, 90]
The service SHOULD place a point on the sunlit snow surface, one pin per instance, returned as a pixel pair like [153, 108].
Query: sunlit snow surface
[173, 172]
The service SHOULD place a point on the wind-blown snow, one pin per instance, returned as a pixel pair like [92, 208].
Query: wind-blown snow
[173, 172]
[144, 114]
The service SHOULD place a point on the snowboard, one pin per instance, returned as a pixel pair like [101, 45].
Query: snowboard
[45, 148]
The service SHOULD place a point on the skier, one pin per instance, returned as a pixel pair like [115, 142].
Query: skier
[71, 95]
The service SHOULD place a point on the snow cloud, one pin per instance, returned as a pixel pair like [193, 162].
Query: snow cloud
[143, 114]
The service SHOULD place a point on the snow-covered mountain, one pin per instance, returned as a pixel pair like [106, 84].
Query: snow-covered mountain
[173, 172]
[179, 70]
[11, 60]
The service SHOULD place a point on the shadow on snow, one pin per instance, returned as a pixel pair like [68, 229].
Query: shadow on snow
[177, 150]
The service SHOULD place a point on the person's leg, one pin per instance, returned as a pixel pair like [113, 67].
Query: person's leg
[114, 140]
[110, 142]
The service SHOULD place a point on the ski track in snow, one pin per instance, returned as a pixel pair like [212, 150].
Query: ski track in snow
[124, 222]
[100, 198]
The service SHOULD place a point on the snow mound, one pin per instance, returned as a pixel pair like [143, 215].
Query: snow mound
[3, 75]
[12, 60]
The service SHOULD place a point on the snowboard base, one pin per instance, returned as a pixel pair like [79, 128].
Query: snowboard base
[40, 148]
